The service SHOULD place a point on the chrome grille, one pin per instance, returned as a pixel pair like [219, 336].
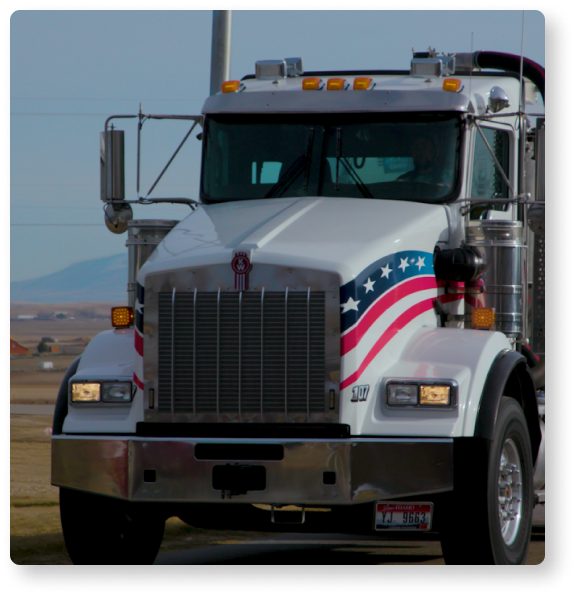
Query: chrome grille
[238, 355]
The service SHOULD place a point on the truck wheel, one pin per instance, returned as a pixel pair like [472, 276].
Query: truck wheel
[100, 530]
[499, 506]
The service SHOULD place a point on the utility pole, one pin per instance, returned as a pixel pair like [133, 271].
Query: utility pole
[221, 45]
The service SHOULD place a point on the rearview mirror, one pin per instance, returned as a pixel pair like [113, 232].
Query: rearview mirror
[112, 165]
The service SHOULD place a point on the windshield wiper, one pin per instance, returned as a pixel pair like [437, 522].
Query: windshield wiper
[303, 162]
[340, 158]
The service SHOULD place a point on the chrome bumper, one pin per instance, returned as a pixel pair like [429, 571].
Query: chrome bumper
[168, 469]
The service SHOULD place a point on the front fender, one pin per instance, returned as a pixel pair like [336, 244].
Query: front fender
[461, 355]
[109, 356]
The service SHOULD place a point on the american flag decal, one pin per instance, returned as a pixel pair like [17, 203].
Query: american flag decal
[396, 289]
[241, 266]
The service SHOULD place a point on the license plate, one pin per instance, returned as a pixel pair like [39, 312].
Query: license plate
[403, 516]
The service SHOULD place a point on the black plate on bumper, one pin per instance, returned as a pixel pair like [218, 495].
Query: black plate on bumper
[239, 479]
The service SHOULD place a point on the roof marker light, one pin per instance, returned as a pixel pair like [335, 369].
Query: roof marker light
[451, 84]
[312, 83]
[362, 83]
[337, 84]
[230, 86]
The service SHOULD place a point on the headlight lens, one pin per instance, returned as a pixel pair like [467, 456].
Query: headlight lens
[85, 392]
[116, 392]
[421, 394]
[402, 394]
[106, 392]
[434, 395]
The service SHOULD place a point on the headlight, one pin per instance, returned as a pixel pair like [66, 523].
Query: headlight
[85, 392]
[422, 393]
[105, 392]
[402, 394]
[117, 392]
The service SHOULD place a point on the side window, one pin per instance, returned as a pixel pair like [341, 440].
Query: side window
[487, 182]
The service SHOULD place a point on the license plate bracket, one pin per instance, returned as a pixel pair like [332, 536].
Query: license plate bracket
[403, 516]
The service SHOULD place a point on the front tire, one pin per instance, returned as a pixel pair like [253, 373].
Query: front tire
[100, 530]
[496, 494]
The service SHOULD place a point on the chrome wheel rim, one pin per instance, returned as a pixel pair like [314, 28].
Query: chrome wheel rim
[510, 491]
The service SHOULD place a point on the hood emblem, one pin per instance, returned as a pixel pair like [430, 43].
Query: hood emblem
[241, 266]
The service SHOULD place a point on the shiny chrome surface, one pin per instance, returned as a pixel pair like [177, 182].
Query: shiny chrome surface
[502, 247]
[225, 350]
[365, 469]
[143, 237]
[498, 100]
[510, 491]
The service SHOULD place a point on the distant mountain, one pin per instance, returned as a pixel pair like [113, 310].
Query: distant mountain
[99, 280]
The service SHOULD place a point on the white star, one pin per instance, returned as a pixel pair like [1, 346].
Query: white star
[385, 271]
[403, 264]
[420, 262]
[369, 285]
[351, 304]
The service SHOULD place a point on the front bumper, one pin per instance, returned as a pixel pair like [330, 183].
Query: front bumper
[304, 472]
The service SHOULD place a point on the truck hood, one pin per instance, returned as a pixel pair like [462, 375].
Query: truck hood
[339, 235]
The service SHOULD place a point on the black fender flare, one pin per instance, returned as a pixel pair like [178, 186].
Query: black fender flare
[61, 409]
[508, 376]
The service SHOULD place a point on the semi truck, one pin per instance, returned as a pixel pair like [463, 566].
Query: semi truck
[347, 332]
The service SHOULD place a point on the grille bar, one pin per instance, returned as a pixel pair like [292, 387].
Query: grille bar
[226, 356]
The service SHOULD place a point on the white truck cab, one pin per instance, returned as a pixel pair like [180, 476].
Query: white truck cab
[345, 334]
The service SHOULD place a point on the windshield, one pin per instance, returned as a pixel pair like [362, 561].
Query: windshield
[391, 156]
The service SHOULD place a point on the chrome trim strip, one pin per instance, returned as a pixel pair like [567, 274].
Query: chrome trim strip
[173, 355]
[262, 356]
[194, 358]
[286, 353]
[308, 350]
[218, 355]
[240, 354]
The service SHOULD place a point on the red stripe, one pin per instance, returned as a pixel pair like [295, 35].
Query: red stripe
[139, 343]
[399, 323]
[138, 382]
[354, 336]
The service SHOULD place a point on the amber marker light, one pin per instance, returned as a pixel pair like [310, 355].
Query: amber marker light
[122, 317]
[451, 84]
[483, 318]
[311, 83]
[335, 84]
[230, 86]
[362, 83]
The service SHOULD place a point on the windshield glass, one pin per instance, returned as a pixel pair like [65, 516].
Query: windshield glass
[391, 156]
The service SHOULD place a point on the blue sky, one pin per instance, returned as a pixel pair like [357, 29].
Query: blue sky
[69, 70]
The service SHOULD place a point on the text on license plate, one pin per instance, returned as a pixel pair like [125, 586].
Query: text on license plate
[403, 516]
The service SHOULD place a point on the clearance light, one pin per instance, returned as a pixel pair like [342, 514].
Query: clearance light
[483, 318]
[451, 84]
[230, 86]
[362, 83]
[434, 395]
[85, 392]
[336, 84]
[311, 83]
[122, 317]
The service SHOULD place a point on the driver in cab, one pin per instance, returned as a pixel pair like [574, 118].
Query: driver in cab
[425, 164]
